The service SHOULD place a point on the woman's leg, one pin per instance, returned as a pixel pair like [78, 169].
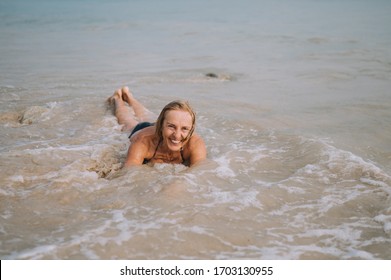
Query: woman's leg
[122, 111]
[142, 113]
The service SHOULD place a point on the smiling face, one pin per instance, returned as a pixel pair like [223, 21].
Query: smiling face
[175, 125]
[176, 128]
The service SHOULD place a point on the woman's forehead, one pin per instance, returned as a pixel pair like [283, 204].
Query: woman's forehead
[179, 117]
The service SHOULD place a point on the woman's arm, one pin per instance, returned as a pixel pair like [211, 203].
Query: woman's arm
[197, 150]
[136, 153]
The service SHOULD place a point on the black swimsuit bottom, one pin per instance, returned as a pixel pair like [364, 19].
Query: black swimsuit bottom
[140, 126]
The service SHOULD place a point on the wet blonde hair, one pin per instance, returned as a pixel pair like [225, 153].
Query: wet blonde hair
[175, 105]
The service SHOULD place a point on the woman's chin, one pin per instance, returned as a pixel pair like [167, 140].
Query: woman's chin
[175, 148]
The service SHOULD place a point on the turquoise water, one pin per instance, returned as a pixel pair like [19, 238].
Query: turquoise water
[297, 125]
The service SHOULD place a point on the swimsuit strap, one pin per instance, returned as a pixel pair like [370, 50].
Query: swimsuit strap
[182, 155]
[157, 146]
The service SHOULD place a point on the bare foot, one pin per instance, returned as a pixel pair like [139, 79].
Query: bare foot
[117, 95]
[127, 96]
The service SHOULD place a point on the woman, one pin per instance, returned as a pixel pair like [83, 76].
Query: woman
[169, 139]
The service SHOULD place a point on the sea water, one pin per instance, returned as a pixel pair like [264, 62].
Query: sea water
[296, 118]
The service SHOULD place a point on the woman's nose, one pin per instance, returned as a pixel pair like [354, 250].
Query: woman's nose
[178, 132]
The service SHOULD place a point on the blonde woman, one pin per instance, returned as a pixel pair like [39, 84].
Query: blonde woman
[168, 139]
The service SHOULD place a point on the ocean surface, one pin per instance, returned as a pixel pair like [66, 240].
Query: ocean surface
[293, 100]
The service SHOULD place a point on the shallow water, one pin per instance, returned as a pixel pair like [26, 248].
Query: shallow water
[297, 126]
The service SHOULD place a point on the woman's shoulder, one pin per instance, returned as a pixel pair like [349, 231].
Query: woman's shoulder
[196, 149]
[196, 139]
[141, 146]
[195, 143]
[145, 135]
[145, 140]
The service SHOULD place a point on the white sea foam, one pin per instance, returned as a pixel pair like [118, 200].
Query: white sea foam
[386, 221]
[223, 170]
[34, 253]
